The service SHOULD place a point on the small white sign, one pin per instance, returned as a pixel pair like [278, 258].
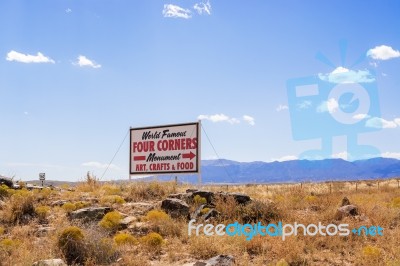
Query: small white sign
[42, 176]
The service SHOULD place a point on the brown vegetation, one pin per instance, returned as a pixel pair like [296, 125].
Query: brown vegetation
[152, 236]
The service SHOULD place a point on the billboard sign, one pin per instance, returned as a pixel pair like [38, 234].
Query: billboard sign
[167, 149]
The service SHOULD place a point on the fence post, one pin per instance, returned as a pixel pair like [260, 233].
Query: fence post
[330, 188]
[356, 185]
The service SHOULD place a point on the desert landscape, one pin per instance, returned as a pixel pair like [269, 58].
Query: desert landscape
[146, 223]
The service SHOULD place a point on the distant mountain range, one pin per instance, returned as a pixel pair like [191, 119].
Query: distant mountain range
[226, 171]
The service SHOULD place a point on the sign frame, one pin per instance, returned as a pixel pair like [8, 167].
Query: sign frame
[196, 133]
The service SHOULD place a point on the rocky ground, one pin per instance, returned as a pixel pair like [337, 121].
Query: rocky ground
[147, 224]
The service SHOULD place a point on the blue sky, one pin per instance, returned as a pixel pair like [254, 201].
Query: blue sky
[76, 74]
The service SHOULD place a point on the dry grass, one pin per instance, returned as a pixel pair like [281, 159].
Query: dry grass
[167, 241]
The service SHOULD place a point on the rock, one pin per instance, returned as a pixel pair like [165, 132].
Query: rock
[52, 262]
[197, 212]
[90, 199]
[16, 186]
[209, 196]
[363, 218]
[348, 210]
[6, 181]
[44, 230]
[139, 228]
[124, 223]
[137, 208]
[220, 260]
[211, 213]
[175, 207]
[345, 202]
[89, 214]
[181, 196]
[32, 187]
[241, 198]
[58, 203]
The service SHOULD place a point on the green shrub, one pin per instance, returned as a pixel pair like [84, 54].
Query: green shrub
[72, 246]
[111, 221]
[8, 245]
[42, 212]
[156, 216]
[44, 193]
[125, 239]
[152, 241]
[21, 208]
[111, 189]
[79, 205]
[4, 191]
[69, 207]
[111, 199]
[282, 262]
[372, 253]
[199, 200]
[204, 211]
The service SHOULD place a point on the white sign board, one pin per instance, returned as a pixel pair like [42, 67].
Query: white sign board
[168, 149]
[42, 176]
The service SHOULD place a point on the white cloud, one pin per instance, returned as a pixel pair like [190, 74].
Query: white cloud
[383, 52]
[68, 10]
[395, 155]
[83, 61]
[330, 106]
[173, 11]
[377, 122]
[344, 75]
[203, 8]
[250, 120]
[304, 105]
[27, 58]
[26, 113]
[341, 155]
[281, 107]
[219, 118]
[224, 118]
[397, 121]
[285, 158]
[360, 116]
[100, 165]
